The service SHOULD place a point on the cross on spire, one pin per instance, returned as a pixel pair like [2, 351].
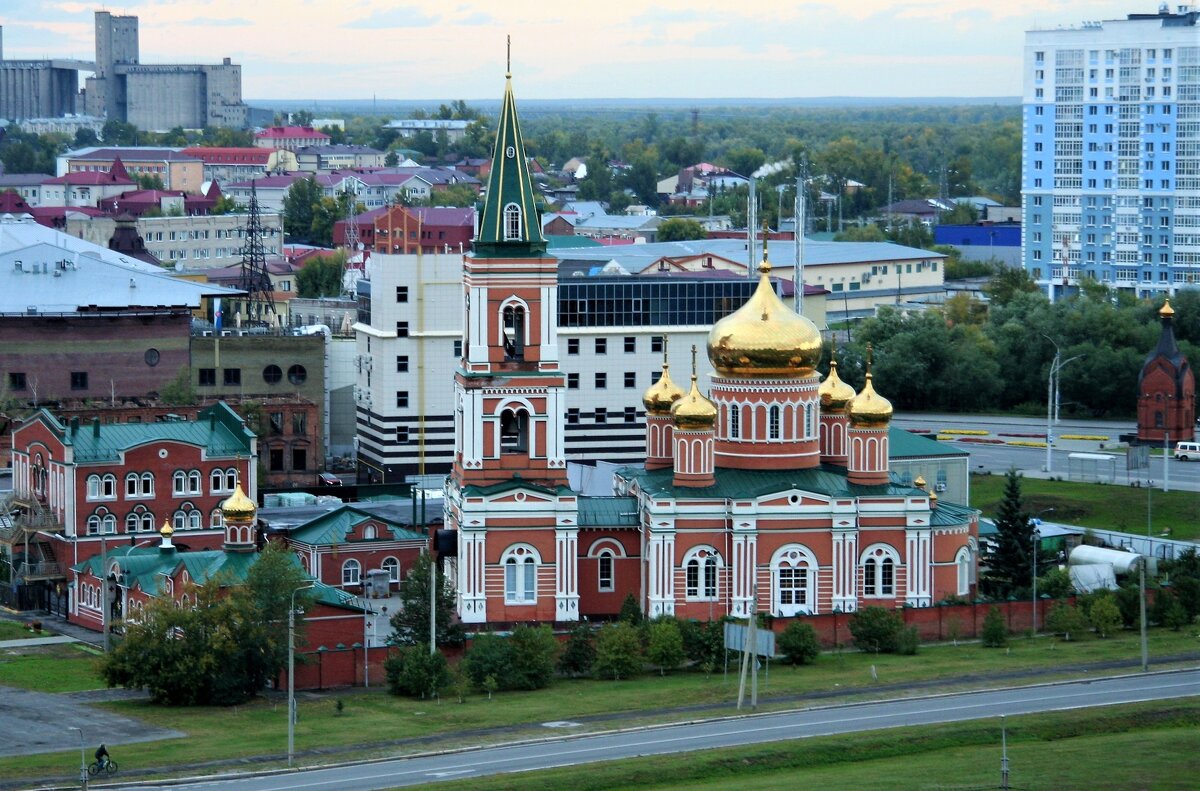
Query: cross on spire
[508, 58]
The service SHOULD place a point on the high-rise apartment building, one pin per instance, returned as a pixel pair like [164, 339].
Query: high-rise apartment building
[1111, 172]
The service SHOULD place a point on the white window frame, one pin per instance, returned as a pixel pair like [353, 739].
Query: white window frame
[707, 563]
[874, 562]
[520, 563]
[351, 572]
[392, 566]
[790, 558]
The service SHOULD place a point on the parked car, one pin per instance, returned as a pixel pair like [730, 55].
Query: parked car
[1188, 451]
[328, 479]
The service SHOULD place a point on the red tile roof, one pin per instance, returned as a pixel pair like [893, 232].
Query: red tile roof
[306, 132]
[214, 155]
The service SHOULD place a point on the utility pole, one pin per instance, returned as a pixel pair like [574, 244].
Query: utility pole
[1142, 611]
[752, 232]
[1003, 754]
[104, 605]
[432, 604]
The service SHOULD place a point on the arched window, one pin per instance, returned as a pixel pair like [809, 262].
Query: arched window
[133, 485]
[512, 223]
[147, 484]
[735, 421]
[513, 328]
[794, 572]
[133, 522]
[109, 487]
[215, 519]
[962, 564]
[179, 520]
[108, 525]
[351, 572]
[231, 477]
[605, 563]
[514, 431]
[147, 522]
[179, 483]
[879, 563]
[520, 574]
[700, 567]
[773, 420]
[392, 567]
[216, 481]
[194, 482]
[194, 519]
[93, 487]
[93, 525]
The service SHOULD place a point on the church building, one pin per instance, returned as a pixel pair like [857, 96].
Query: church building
[1166, 389]
[771, 492]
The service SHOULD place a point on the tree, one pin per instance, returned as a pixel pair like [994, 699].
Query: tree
[226, 205]
[391, 159]
[321, 276]
[416, 672]
[631, 612]
[745, 160]
[1010, 564]
[1066, 619]
[678, 229]
[118, 133]
[579, 654]
[1105, 617]
[798, 643]
[490, 656]
[299, 202]
[85, 137]
[665, 647]
[618, 652]
[876, 629]
[149, 181]
[179, 391]
[410, 625]
[995, 631]
[861, 233]
[533, 651]
[704, 643]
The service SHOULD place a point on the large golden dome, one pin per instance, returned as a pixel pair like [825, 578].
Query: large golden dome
[662, 394]
[868, 408]
[833, 392]
[238, 506]
[764, 337]
[694, 410]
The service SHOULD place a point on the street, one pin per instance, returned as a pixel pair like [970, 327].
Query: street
[731, 732]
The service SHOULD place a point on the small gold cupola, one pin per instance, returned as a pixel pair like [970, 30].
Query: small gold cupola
[661, 395]
[694, 410]
[868, 408]
[1166, 309]
[834, 393]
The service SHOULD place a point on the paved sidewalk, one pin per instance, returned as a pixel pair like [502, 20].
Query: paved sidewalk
[55, 639]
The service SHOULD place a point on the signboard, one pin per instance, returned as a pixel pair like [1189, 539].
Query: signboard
[1137, 457]
[735, 639]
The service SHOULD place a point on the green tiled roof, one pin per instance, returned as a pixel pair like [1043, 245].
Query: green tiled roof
[217, 429]
[951, 514]
[826, 480]
[515, 482]
[608, 511]
[907, 445]
[331, 528]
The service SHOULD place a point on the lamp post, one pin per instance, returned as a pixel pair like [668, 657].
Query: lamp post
[1056, 365]
[104, 605]
[292, 671]
[1167, 455]
[1036, 537]
[1142, 611]
[82, 760]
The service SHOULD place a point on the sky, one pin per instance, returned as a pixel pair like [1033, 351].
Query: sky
[443, 49]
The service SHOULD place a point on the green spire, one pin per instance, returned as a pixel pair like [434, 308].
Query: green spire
[509, 223]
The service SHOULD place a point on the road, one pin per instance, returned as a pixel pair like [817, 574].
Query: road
[393, 773]
[1032, 461]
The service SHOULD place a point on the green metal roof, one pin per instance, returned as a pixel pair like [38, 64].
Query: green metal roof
[555, 242]
[951, 514]
[907, 445]
[515, 482]
[826, 480]
[608, 511]
[331, 528]
[217, 429]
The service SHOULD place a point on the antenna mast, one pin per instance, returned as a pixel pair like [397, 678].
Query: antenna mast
[255, 281]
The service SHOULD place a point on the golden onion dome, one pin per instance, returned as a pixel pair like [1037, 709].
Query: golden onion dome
[662, 394]
[238, 506]
[764, 337]
[868, 408]
[166, 531]
[1166, 309]
[694, 410]
[920, 482]
[833, 392]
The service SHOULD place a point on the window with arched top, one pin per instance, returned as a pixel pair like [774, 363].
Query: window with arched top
[700, 567]
[369, 532]
[108, 487]
[605, 570]
[879, 563]
[133, 485]
[513, 329]
[93, 487]
[351, 572]
[93, 525]
[216, 481]
[215, 519]
[179, 520]
[194, 519]
[735, 421]
[514, 431]
[147, 484]
[962, 565]
[512, 223]
[520, 564]
[231, 477]
[133, 522]
[774, 420]
[179, 483]
[392, 567]
[147, 522]
[194, 482]
[794, 578]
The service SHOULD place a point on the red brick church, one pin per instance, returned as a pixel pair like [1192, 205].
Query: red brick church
[1166, 389]
[770, 492]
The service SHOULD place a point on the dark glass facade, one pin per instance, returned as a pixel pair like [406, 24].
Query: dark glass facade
[650, 301]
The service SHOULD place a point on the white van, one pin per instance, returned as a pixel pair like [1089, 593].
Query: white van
[1188, 451]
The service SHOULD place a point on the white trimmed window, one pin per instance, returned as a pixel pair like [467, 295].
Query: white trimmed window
[512, 223]
[879, 563]
[392, 567]
[179, 483]
[605, 570]
[794, 577]
[520, 564]
[962, 564]
[700, 567]
[147, 484]
[351, 572]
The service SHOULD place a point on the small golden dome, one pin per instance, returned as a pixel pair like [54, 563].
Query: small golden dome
[833, 392]
[764, 337]
[694, 410]
[1166, 309]
[238, 506]
[166, 531]
[868, 408]
[662, 394]
[919, 482]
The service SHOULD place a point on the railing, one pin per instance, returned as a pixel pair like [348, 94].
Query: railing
[39, 569]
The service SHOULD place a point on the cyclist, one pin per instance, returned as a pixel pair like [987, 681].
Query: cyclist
[102, 756]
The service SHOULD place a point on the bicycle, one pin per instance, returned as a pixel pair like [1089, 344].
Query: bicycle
[108, 767]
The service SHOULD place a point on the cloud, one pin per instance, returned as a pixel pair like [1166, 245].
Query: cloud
[478, 18]
[393, 18]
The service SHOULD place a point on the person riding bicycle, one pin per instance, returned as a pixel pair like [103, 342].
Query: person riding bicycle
[102, 756]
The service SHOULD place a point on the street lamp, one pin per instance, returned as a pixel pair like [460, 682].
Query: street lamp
[292, 671]
[1036, 537]
[82, 760]
[1056, 365]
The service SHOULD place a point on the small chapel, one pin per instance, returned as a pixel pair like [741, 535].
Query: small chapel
[1166, 389]
[765, 490]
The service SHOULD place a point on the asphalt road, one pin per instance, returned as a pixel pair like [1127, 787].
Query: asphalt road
[721, 733]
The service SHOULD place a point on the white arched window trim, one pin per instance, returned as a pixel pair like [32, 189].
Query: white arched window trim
[147, 484]
[513, 223]
[520, 563]
[962, 567]
[351, 572]
[179, 482]
[880, 563]
[701, 570]
[793, 580]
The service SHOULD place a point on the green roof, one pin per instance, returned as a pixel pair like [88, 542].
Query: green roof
[217, 429]
[508, 185]
[827, 480]
[555, 242]
[907, 445]
[951, 514]
[513, 483]
[331, 528]
[608, 511]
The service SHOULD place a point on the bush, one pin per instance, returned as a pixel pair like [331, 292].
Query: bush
[1067, 620]
[995, 631]
[704, 643]
[631, 611]
[798, 643]
[908, 641]
[665, 646]
[1128, 601]
[618, 652]
[1055, 583]
[533, 650]
[415, 672]
[579, 654]
[876, 629]
[1105, 617]
[1188, 591]
[489, 655]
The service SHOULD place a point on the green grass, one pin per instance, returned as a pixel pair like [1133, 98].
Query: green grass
[1105, 506]
[1064, 750]
[370, 718]
[50, 668]
[14, 630]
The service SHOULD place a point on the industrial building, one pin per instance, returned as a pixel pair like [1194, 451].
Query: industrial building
[39, 88]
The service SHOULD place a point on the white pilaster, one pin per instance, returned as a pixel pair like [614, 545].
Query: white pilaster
[477, 351]
[845, 570]
[744, 565]
[566, 574]
[661, 563]
[472, 600]
[918, 548]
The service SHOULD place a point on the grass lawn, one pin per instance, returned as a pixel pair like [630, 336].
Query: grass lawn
[50, 668]
[1064, 750]
[1106, 506]
[370, 718]
[15, 630]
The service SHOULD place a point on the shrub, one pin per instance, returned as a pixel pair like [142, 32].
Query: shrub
[1188, 591]
[1164, 601]
[489, 655]
[415, 672]
[665, 647]
[579, 654]
[798, 643]
[1067, 620]
[995, 631]
[1128, 601]
[533, 650]
[704, 643]
[631, 611]
[618, 652]
[1174, 616]
[908, 641]
[876, 629]
[1055, 583]
[1105, 617]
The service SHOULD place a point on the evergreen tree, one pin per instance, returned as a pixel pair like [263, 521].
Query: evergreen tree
[1010, 564]
[579, 654]
[410, 624]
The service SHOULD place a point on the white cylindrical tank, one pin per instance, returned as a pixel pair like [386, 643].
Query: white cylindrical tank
[1121, 561]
